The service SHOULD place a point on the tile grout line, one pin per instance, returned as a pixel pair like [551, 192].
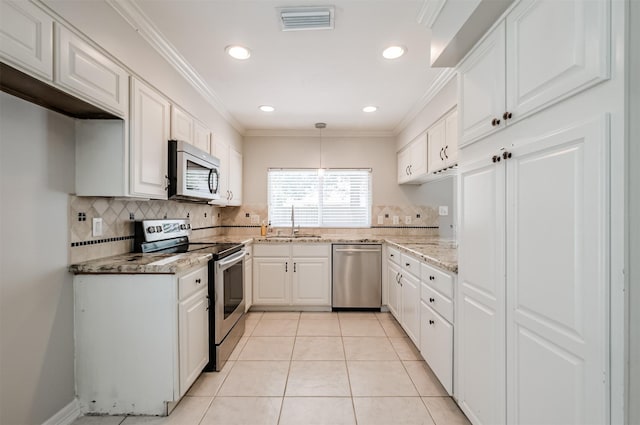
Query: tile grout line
[286, 382]
[346, 365]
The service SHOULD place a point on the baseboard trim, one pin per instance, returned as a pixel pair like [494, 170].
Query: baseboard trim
[66, 415]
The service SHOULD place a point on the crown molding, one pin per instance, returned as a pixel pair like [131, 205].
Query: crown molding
[430, 11]
[329, 134]
[445, 76]
[135, 17]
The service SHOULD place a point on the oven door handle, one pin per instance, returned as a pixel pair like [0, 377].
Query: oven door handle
[232, 259]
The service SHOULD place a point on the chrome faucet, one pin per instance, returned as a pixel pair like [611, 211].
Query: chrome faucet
[293, 221]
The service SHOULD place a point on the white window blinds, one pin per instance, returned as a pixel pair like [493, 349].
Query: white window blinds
[321, 198]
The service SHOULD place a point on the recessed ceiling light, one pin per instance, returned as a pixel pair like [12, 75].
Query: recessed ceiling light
[394, 52]
[238, 52]
[369, 109]
[267, 108]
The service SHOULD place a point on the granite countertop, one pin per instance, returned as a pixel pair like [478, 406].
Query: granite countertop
[136, 263]
[432, 250]
[441, 253]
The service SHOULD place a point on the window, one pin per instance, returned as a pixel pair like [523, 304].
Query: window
[321, 198]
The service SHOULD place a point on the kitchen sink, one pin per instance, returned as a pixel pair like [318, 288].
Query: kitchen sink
[297, 236]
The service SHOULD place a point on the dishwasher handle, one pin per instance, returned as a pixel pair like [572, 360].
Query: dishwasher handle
[356, 250]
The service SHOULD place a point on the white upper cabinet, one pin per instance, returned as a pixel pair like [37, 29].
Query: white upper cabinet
[412, 161]
[572, 55]
[481, 87]
[87, 73]
[26, 38]
[543, 52]
[182, 125]
[149, 127]
[202, 137]
[443, 143]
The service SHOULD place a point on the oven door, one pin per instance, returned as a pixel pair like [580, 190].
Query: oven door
[229, 293]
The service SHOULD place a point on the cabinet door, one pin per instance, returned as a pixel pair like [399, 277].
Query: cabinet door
[235, 177]
[437, 142]
[418, 158]
[554, 49]
[481, 87]
[26, 37]
[404, 158]
[436, 345]
[149, 126]
[311, 284]
[410, 288]
[480, 303]
[557, 316]
[181, 125]
[451, 139]
[202, 137]
[393, 278]
[84, 71]
[271, 281]
[193, 334]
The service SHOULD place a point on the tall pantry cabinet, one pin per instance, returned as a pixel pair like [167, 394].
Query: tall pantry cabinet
[532, 311]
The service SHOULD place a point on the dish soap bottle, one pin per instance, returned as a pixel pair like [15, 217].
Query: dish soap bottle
[263, 229]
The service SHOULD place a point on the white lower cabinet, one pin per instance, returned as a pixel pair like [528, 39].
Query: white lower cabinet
[436, 345]
[410, 303]
[436, 323]
[291, 275]
[140, 340]
[393, 282]
[532, 322]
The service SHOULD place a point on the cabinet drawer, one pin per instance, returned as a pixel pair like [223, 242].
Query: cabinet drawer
[393, 255]
[438, 280]
[436, 345]
[437, 301]
[310, 250]
[271, 250]
[411, 265]
[192, 282]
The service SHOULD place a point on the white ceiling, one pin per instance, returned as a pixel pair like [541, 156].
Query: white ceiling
[308, 76]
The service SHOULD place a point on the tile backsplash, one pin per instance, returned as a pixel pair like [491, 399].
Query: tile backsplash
[118, 216]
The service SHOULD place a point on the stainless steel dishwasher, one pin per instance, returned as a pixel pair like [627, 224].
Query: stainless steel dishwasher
[357, 276]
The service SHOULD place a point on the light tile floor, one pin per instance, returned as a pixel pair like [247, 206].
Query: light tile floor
[314, 368]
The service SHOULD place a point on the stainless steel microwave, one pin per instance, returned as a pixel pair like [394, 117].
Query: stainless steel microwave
[194, 175]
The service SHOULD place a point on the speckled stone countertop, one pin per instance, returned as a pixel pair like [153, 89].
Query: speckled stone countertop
[441, 253]
[432, 250]
[136, 263]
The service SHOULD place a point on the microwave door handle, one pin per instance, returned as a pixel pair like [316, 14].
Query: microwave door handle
[211, 180]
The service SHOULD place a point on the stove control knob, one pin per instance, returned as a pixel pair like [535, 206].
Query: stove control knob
[151, 229]
[159, 229]
[188, 225]
[183, 226]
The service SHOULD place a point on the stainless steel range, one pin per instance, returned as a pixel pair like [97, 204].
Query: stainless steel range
[226, 280]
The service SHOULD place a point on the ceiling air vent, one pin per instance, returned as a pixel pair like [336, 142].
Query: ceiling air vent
[307, 18]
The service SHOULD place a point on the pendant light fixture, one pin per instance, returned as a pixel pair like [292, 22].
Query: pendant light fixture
[320, 126]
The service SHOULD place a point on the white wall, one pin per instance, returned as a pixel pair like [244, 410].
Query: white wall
[633, 218]
[36, 297]
[103, 25]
